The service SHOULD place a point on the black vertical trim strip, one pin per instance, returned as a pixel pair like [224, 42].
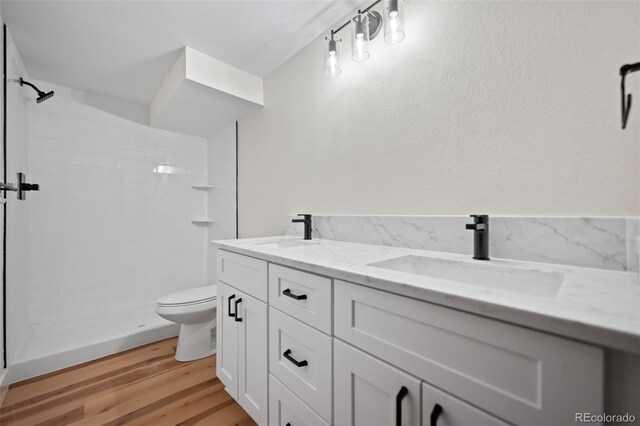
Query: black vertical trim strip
[4, 205]
[236, 180]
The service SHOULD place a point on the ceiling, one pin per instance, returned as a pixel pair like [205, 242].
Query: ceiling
[124, 49]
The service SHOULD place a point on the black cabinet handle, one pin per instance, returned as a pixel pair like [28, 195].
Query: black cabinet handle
[437, 410]
[288, 424]
[288, 293]
[287, 355]
[237, 314]
[399, 397]
[231, 314]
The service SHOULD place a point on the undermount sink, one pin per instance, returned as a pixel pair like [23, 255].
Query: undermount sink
[479, 273]
[285, 243]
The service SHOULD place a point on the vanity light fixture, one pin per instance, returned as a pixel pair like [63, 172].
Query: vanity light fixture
[393, 25]
[360, 37]
[332, 57]
[365, 26]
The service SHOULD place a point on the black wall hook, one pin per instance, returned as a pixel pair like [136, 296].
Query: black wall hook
[626, 98]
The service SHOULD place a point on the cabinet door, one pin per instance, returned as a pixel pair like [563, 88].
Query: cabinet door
[442, 409]
[251, 317]
[369, 392]
[227, 339]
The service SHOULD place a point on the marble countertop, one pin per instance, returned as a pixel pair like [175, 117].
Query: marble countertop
[597, 306]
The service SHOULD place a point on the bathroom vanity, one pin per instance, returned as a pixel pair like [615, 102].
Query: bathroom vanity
[331, 333]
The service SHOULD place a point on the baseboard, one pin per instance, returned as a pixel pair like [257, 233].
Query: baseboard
[26, 369]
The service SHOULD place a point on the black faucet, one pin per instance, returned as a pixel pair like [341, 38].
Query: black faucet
[480, 227]
[307, 225]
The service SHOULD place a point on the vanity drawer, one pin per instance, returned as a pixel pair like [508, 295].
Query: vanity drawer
[311, 381]
[523, 376]
[287, 409]
[245, 273]
[302, 295]
[454, 412]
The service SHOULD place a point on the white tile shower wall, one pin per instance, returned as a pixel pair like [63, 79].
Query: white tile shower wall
[222, 198]
[111, 226]
[590, 242]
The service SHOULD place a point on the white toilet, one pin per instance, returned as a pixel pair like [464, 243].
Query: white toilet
[195, 311]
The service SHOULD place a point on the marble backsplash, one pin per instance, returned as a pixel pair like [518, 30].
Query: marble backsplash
[605, 243]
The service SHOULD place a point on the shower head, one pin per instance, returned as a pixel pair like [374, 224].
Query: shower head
[42, 96]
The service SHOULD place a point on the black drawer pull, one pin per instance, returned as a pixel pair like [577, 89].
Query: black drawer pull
[237, 314]
[231, 314]
[288, 293]
[437, 410]
[287, 355]
[399, 397]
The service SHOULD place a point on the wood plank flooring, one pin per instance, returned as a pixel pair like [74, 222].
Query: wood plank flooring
[142, 386]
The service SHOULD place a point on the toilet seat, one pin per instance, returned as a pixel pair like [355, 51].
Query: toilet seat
[193, 296]
[195, 311]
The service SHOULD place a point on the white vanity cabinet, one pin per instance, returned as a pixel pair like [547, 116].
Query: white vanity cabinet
[242, 337]
[513, 373]
[324, 351]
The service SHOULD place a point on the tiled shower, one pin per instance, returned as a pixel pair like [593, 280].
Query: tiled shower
[124, 214]
[110, 229]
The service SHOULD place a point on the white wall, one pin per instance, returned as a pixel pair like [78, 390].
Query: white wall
[17, 211]
[222, 199]
[506, 108]
[110, 229]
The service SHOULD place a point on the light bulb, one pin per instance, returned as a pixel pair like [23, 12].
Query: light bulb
[393, 27]
[332, 58]
[332, 63]
[360, 46]
[360, 38]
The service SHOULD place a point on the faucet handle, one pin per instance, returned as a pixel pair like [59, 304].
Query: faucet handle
[306, 216]
[480, 218]
[480, 222]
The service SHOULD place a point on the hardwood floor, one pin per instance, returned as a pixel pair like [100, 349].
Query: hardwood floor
[142, 386]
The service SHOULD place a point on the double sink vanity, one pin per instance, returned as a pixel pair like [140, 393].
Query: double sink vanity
[325, 332]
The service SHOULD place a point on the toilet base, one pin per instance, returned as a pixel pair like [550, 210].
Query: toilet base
[196, 341]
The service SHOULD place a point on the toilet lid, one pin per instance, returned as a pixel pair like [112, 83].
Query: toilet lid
[191, 296]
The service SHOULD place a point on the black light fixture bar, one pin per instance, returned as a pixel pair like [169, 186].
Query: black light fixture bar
[369, 8]
[349, 21]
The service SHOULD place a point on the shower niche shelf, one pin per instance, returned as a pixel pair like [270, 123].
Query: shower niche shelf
[201, 215]
[202, 221]
[203, 187]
